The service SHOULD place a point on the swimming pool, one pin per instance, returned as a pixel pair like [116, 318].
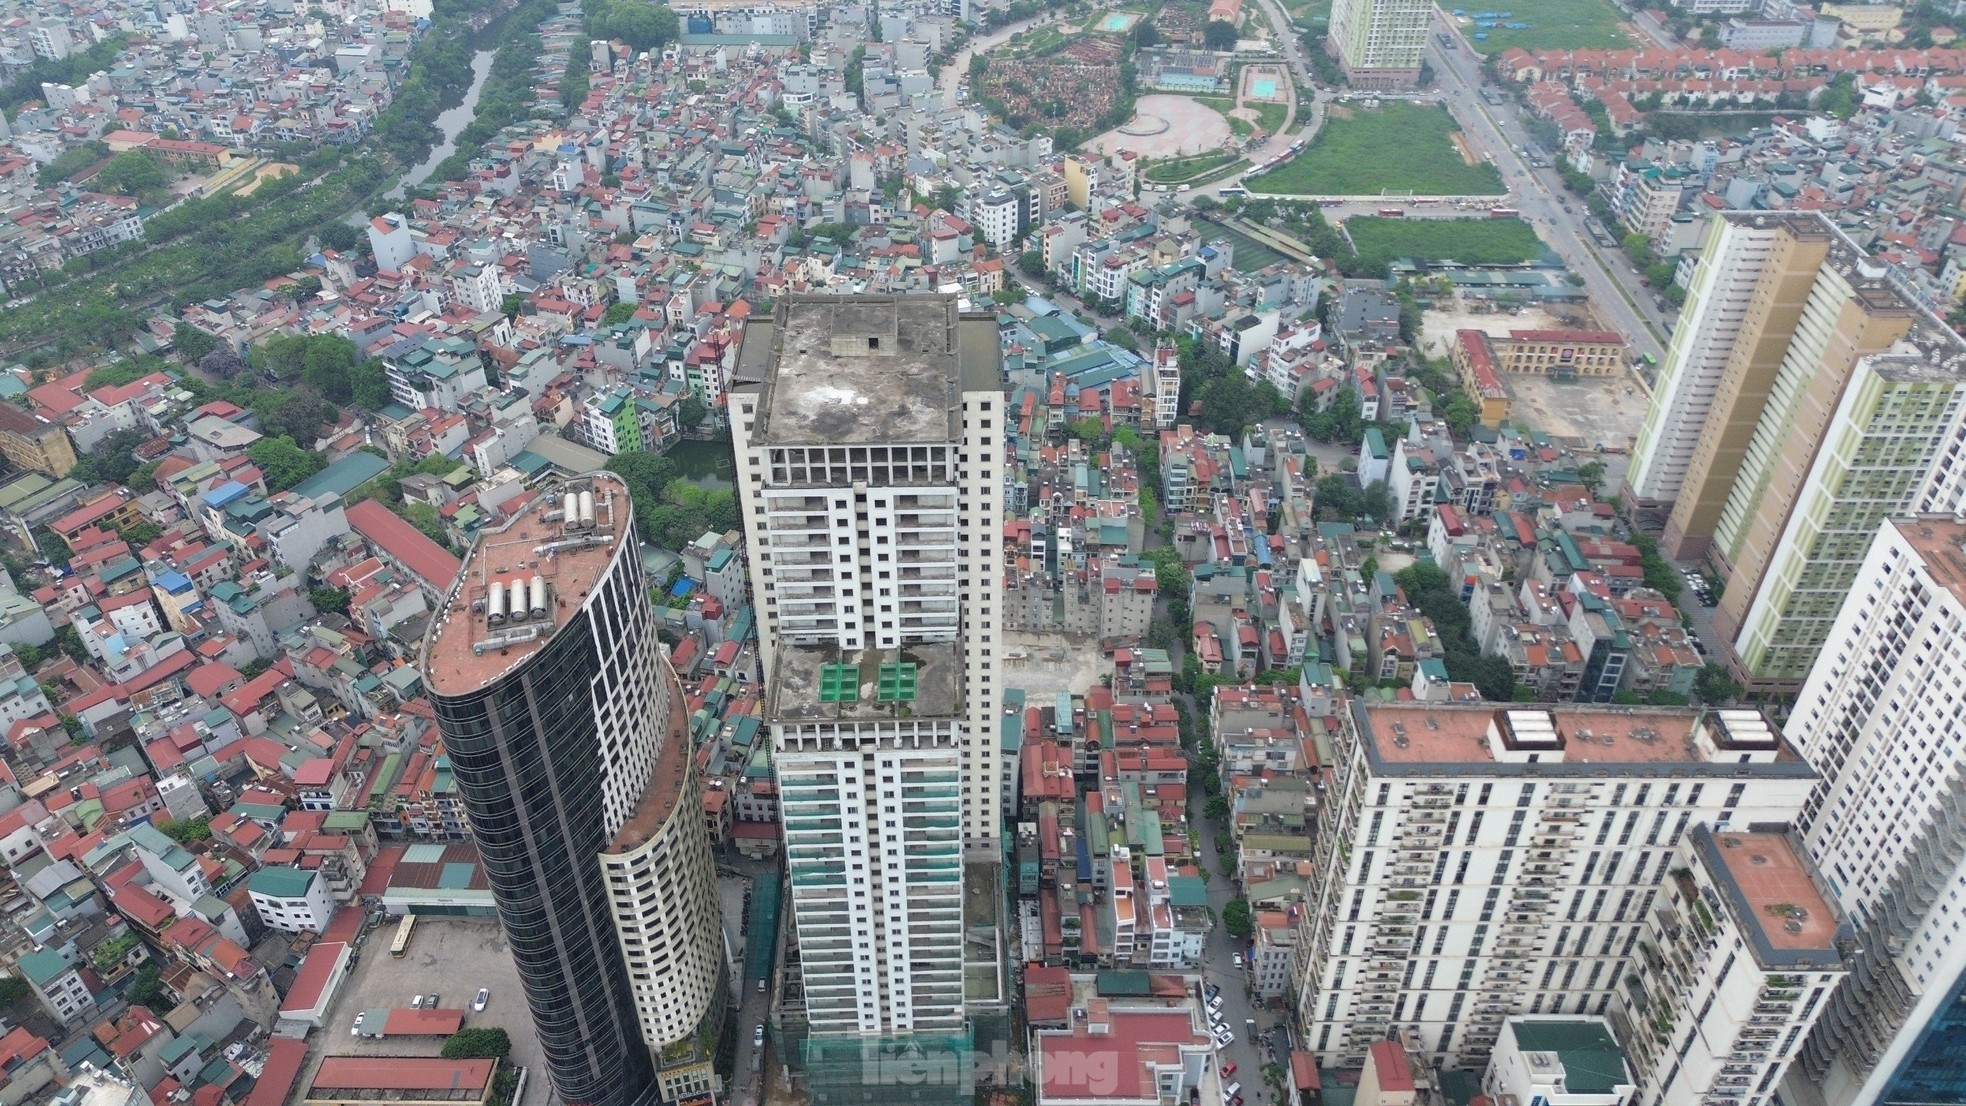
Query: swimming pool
[1263, 89]
[1119, 22]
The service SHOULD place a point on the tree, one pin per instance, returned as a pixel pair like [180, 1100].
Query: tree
[144, 478]
[221, 364]
[184, 833]
[1219, 34]
[368, 385]
[112, 461]
[1714, 685]
[304, 289]
[478, 1044]
[13, 989]
[192, 344]
[1031, 264]
[1217, 808]
[69, 641]
[1460, 413]
[140, 534]
[1591, 475]
[1123, 338]
[325, 367]
[1171, 576]
[1237, 919]
[329, 600]
[619, 313]
[284, 463]
[511, 304]
[691, 412]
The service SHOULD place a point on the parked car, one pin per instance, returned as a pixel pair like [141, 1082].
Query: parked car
[416, 1003]
[1228, 1070]
[758, 1036]
[484, 996]
[359, 1018]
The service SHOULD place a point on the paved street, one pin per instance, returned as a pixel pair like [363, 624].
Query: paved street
[1248, 1053]
[754, 1004]
[1539, 194]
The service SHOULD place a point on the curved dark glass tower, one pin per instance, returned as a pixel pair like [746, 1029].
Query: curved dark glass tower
[554, 698]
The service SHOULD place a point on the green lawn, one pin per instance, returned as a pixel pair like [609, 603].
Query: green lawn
[1553, 24]
[1314, 13]
[1187, 168]
[1469, 241]
[1398, 147]
[1268, 116]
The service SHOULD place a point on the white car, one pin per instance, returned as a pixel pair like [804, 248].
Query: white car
[356, 1030]
[484, 996]
[416, 1003]
[1226, 1037]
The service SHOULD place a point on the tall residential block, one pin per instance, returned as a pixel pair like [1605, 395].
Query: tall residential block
[1477, 864]
[1880, 719]
[567, 734]
[1380, 43]
[1739, 955]
[1806, 397]
[869, 441]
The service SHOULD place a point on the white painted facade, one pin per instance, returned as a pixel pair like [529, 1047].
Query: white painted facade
[1879, 718]
[1459, 885]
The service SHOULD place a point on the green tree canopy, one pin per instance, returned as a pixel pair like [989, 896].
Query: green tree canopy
[478, 1044]
[284, 463]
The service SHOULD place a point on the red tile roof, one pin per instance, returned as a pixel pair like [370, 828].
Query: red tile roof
[404, 543]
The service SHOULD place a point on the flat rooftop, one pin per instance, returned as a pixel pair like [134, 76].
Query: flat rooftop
[1450, 734]
[1941, 543]
[819, 683]
[869, 369]
[1776, 890]
[666, 780]
[465, 650]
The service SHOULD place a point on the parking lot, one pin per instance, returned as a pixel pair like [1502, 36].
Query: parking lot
[451, 957]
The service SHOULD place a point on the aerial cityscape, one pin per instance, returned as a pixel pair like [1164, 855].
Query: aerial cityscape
[982, 553]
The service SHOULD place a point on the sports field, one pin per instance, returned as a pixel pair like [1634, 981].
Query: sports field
[1396, 147]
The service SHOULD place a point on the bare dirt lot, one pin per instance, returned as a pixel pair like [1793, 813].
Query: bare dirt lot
[1191, 129]
[1589, 410]
[1046, 664]
[1437, 329]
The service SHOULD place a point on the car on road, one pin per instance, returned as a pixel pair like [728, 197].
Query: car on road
[484, 996]
[758, 1036]
[1215, 1005]
[1224, 1036]
[1228, 1070]
[1210, 991]
[1236, 958]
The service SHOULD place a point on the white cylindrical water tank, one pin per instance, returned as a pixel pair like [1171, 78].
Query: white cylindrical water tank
[587, 509]
[569, 504]
[539, 597]
[515, 600]
[495, 605]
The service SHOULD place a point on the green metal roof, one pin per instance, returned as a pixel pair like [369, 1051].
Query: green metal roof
[897, 683]
[1592, 1061]
[281, 883]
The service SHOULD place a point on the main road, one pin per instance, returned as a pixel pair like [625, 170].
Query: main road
[1499, 135]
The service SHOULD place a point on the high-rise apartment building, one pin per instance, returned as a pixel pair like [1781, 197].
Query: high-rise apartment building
[1880, 719]
[566, 732]
[1806, 397]
[1380, 43]
[869, 440]
[1478, 863]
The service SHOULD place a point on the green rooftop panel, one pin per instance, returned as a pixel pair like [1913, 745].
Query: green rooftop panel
[897, 683]
[838, 683]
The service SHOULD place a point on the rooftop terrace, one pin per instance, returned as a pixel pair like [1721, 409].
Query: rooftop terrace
[1776, 896]
[865, 369]
[817, 683]
[1604, 737]
[480, 633]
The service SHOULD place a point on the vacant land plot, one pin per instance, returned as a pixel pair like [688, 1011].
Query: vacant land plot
[1552, 24]
[1397, 147]
[1469, 241]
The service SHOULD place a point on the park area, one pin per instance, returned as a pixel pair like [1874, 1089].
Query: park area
[1395, 148]
[1551, 25]
[1468, 241]
[1188, 168]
